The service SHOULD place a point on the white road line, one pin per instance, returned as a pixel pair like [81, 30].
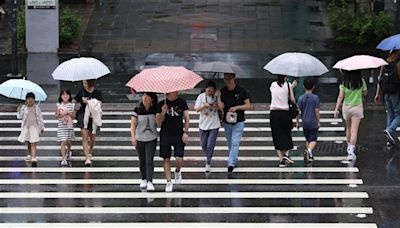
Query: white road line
[185, 181]
[187, 158]
[184, 169]
[101, 147]
[253, 112]
[187, 195]
[194, 121]
[190, 224]
[126, 129]
[191, 139]
[186, 210]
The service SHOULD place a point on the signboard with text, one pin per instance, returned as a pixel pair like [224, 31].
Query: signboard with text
[41, 4]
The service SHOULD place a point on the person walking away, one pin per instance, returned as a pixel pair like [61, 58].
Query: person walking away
[88, 92]
[309, 107]
[31, 126]
[65, 112]
[233, 100]
[209, 122]
[351, 92]
[173, 116]
[280, 119]
[389, 87]
[144, 137]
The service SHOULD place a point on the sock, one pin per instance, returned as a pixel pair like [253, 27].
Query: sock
[177, 170]
[351, 148]
[310, 152]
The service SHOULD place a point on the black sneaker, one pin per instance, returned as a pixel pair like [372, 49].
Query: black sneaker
[282, 163]
[389, 137]
[230, 169]
[287, 159]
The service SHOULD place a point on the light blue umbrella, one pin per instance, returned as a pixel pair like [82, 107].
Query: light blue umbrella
[18, 88]
[389, 44]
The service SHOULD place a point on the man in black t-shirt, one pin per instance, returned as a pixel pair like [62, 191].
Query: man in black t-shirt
[170, 115]
[233, 100]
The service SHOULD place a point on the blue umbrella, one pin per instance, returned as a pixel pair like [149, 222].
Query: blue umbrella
[389, 44]
[18, 88]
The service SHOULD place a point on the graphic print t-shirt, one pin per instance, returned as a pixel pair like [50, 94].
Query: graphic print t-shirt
[173, 125]
[146, 129]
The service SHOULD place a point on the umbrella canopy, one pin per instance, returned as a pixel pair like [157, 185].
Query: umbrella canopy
[296, 64]
[359, 62]
[390, 43]
[18, 88]
[218, 67]
[78, 69]
[164, 79]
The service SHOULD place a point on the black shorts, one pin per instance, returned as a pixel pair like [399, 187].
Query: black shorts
[80, 124]
[166, 144]
[311, 134]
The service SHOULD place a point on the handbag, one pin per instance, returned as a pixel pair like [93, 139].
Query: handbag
[293, 110]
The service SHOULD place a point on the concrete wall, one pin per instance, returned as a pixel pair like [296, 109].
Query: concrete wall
[42, 30]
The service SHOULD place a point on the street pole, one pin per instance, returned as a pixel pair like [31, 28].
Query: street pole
[14, 41]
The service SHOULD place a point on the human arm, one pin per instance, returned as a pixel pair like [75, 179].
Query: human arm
[339, 102]
[185, 136]
[160, 116]
[133, 130]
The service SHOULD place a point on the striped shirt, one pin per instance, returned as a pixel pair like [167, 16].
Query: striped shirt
[63, 132]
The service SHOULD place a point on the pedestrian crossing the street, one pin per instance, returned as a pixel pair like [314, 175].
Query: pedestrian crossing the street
[324, 193]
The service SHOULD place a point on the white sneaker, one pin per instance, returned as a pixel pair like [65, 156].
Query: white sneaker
[169, 187]
[143, 184]
[178, 177]
[351, 157]
[208, 167]
[88, 163]
[28, 158]
[64, 162]
[150, 187]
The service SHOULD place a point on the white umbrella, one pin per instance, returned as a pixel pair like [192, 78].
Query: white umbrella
[18, 88]
[78, 69]
[296, 64]
[359, 62]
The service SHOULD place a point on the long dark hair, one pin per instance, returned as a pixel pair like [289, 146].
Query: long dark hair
[153, 96]
[62, 92]
[352, 79]
[281, 80]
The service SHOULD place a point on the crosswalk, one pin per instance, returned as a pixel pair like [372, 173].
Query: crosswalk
[258, 194]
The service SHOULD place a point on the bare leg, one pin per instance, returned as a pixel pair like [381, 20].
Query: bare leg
[355, 123]
[85, 143]
[33, 150]
[167, 168]
[348, 130]
[312, 145]
[179, 163]
[91, 143]
[63, 149]
[28, 145]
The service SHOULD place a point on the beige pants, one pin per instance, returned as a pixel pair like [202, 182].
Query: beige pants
[353, 111]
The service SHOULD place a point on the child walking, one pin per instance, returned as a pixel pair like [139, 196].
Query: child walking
[351, 92]
[308, 105]
[31, 126]
[65, 113]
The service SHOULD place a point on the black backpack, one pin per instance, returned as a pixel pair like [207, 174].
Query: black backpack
[389, 80]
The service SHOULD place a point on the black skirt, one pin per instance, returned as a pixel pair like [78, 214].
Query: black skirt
[281, 127]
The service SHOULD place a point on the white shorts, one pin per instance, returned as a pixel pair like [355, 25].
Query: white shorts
[353, 111]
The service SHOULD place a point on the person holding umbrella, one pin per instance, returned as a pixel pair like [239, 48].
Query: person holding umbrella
[389, 87]
[31, 126]
[88, 136]
[351, 92]
[174, 133]
[144, 137]
[233, 100]
[280, 119]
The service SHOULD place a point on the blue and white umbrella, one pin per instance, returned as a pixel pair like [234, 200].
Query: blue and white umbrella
[18, 88]
[389, 44]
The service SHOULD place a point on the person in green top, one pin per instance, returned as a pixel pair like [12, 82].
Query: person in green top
[351, 93]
